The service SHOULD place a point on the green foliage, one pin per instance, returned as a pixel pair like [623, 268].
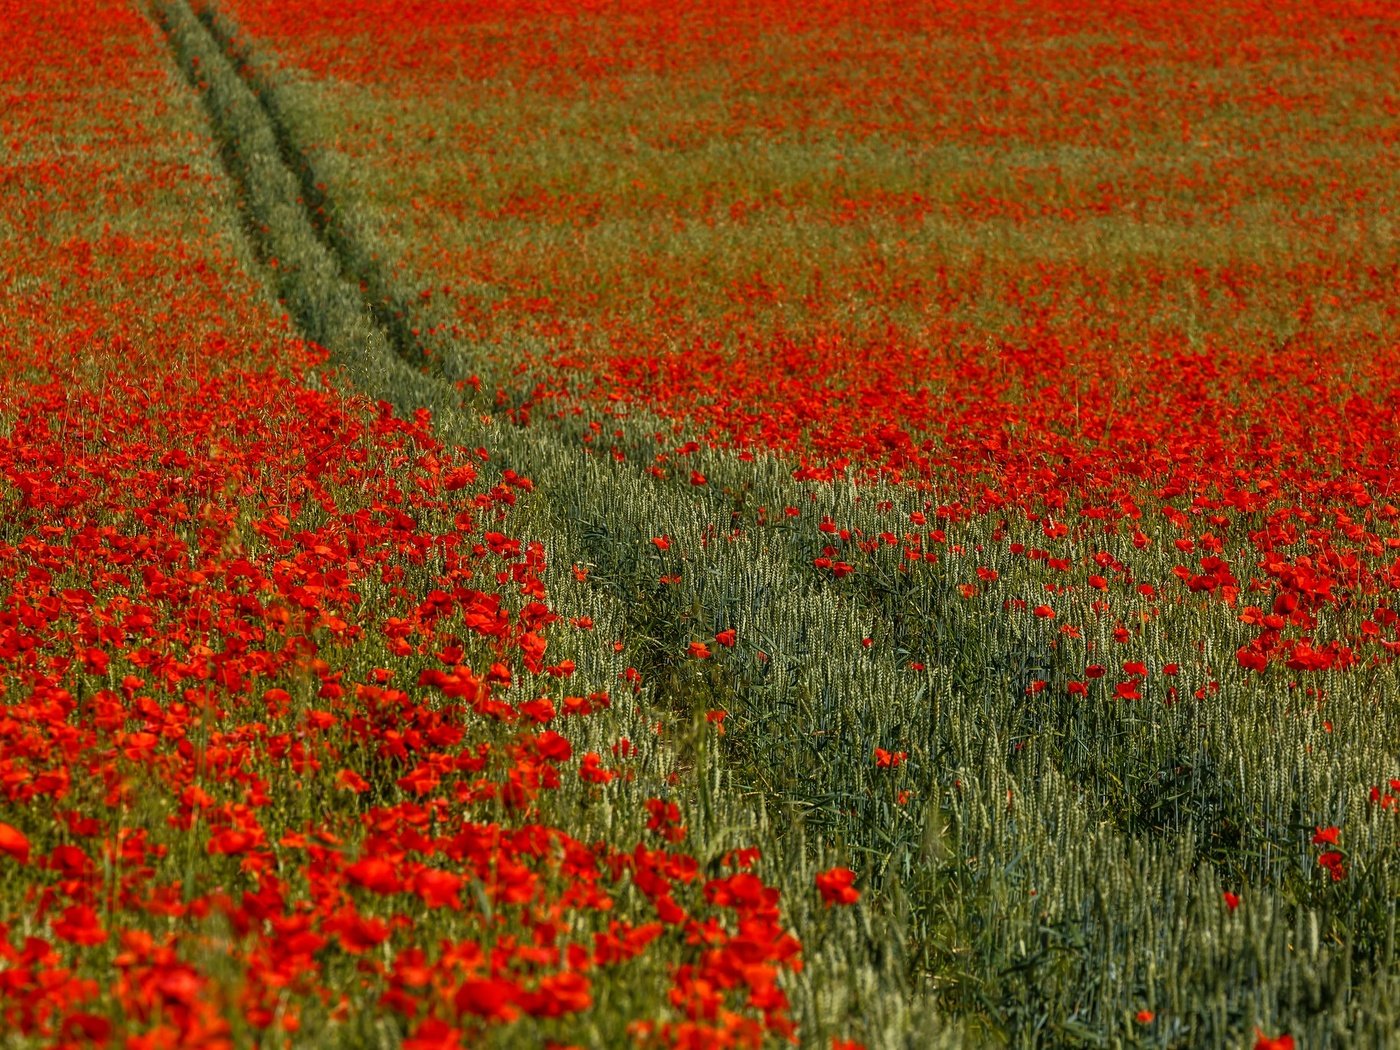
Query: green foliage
[1059, 861]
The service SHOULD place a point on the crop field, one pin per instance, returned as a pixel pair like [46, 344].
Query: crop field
[620, 524]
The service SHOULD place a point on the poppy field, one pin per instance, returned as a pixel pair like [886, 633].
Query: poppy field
[749, 524]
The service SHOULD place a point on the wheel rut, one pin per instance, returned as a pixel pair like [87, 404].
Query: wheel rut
[315, 266]
[326, 271]
[337, 292]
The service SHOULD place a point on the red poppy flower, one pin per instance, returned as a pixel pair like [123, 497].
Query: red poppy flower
[1326, 836]
[13, 843]
[837, 886]
[889, 759]
[493, 999]
[1334, 864]
[375, 874]
[79, 925]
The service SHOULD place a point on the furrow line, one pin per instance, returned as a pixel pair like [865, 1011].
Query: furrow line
[597, 512]
[811, 712]
[356, 260]
[340, 297]
[307, 276]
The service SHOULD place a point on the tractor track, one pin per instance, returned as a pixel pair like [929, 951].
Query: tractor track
[810, 711]
[970, 721]
[337, 292]
[312, 263]
[599, 512]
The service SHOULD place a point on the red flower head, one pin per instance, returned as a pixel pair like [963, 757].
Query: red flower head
[837, 886]
[1326, 836]
[1334, 864]
[889, 759]
[13, 843]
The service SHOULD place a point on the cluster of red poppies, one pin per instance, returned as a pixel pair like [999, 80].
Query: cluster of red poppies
[279, 743]
[1228, 399]
[293, 732]
[185, 653]
[1104, 298]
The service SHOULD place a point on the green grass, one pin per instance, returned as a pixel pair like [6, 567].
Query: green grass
[1059, 863]
[1096, 891]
